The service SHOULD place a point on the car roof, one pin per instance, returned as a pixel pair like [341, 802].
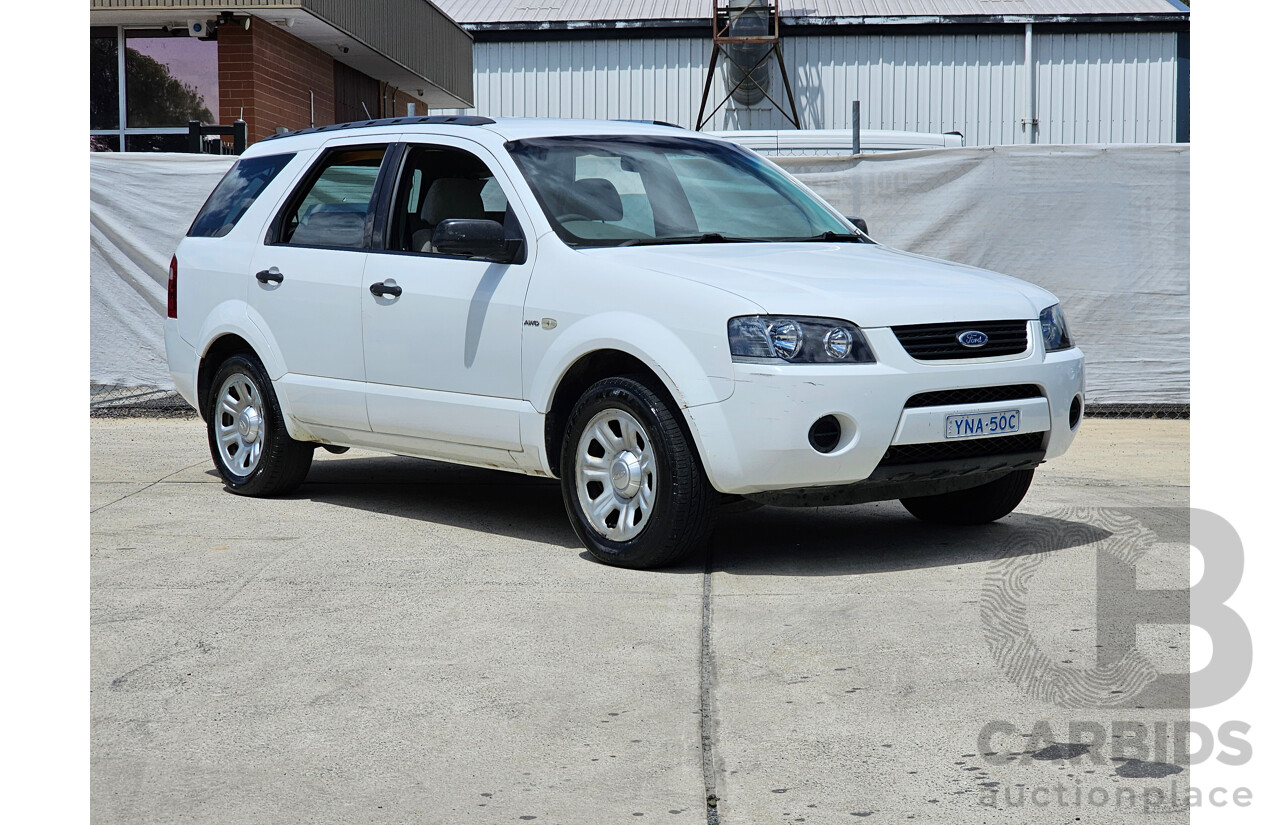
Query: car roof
[512, 128]
[515, 128]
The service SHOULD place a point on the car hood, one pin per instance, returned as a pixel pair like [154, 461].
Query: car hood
[868, 284]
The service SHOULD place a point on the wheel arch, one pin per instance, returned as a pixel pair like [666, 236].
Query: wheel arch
[219, 350]
[587, 370]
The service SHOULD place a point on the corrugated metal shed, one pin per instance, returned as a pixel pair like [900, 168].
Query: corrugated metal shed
[796, 11]
[1090, 88]
[1079, 71]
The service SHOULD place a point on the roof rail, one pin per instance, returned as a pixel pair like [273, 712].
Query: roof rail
[448, 120]
[648, 122]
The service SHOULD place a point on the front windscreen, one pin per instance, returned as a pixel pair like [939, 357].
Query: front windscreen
[617, 190]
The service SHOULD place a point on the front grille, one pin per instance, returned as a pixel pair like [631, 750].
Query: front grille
[900, 454]
[974, 395]
[935, 342]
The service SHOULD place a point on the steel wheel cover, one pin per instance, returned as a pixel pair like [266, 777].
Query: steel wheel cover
[239, 424]
[617, 475]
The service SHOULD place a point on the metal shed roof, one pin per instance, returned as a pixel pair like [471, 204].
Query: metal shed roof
[810, 12]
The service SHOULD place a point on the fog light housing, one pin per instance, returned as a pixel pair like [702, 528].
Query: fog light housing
[1077, 409]
[824, 435]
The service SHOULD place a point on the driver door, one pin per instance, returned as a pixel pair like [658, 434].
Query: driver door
[442, 340]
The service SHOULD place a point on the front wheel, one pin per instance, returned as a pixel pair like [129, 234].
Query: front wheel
[976, 505]
[251, 448]
[632, 483]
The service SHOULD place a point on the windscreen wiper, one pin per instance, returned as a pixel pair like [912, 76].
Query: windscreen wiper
[705, 237]
[829, 237]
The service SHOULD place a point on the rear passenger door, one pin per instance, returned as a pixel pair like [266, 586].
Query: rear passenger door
[442, 354]
[307, 279]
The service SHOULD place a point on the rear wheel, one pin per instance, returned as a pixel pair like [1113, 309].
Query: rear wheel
[251, 447]
[632, 483]
[976, 505]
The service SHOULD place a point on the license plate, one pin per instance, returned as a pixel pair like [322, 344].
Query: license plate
[980, 424]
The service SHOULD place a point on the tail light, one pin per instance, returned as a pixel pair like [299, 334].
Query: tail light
[173, 287]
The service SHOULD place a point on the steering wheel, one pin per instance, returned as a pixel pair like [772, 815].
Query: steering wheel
[571, 216]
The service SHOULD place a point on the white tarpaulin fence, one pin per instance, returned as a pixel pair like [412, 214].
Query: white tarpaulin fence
[1104, 228]
[140, 205]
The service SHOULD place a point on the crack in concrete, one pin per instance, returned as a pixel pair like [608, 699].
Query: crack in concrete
[706, 722]
[148, 487]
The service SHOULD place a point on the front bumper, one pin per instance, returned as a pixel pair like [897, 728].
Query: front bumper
[757, 440]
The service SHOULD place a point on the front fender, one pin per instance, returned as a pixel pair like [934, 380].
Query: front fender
[688, 379]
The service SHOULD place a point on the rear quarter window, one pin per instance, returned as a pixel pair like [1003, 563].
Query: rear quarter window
[235, 193]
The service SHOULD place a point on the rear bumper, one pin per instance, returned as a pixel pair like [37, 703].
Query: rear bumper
[184, 363]
[758, 439]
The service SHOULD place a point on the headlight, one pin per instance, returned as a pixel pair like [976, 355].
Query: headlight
[1054, 326]
[773, 339]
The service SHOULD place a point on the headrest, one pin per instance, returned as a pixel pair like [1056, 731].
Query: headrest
[453, 198]
[595, 199]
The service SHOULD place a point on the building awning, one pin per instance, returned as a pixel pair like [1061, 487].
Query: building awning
[410, 44]
[484, 17]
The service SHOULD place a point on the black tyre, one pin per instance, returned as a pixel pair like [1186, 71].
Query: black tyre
[632, 482]
[251, 447]
[976, 505]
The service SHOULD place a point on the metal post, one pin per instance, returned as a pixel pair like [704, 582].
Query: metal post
[1030, 121]
[239, 136]
[121, 85]
[786, 83]
[857, 127]
[706, 90]
[194, 137]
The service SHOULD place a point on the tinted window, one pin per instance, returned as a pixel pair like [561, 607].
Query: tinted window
[104, 79]
[169, 80]
[335, 204]
[235, 194]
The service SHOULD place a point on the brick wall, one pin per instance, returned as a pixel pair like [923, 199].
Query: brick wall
[398, 104]
[272, 74]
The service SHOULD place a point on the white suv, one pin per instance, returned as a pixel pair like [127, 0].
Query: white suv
[664, 321]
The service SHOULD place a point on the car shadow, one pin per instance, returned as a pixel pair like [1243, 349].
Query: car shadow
[490, 501]
[828, 541]
[878, 538]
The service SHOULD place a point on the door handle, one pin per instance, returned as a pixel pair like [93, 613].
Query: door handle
[384, 288]
[271, 275]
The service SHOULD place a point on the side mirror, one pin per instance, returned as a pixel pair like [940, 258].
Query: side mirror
[475, 239]
[858, 222]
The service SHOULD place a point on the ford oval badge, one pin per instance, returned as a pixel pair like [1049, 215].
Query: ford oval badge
[972, 339]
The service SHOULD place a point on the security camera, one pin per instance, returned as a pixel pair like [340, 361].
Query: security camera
[226, 18]
[203, 29]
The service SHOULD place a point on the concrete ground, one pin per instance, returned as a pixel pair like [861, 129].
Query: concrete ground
[405, 641]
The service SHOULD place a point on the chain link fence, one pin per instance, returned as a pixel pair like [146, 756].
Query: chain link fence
[108, 401]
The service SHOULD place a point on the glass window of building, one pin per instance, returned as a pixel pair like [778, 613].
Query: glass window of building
[168, 81]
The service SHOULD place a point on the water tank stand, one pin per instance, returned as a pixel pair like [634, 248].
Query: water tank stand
[746, 33]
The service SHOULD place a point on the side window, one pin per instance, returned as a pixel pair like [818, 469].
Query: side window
[332, 204]
[235, 193]
[438, 183]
